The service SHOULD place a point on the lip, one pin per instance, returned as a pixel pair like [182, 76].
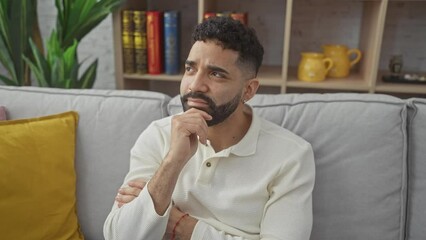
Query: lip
[197, 102]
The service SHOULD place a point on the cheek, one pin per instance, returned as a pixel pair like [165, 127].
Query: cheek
[227, 96]
[184, 86]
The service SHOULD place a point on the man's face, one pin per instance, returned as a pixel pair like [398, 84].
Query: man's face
[218, 113]
[212, 81]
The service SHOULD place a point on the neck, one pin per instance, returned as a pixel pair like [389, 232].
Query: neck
[232, 130]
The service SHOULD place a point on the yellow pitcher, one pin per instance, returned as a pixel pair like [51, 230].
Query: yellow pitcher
[340, 54]
[313, 67]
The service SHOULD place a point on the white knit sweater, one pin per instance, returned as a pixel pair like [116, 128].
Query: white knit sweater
[260, 188]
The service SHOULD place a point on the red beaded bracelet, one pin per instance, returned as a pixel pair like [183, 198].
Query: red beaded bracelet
[174, 228]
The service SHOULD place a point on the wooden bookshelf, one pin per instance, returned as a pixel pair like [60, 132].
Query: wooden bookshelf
[288, 27]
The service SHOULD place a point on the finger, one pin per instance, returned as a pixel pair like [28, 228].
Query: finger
[123, 199]
[203, 114]
[133, 191]
[137, 184]
[193, 124]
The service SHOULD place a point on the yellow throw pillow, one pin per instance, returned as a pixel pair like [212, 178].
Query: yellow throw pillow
[37, 178]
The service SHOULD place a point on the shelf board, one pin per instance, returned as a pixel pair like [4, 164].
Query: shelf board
[332, 84]
[354, 82]
[398, 87]
[157, 77]
[268, 76]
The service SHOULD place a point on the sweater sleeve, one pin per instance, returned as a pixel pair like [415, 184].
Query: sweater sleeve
[288, 212]
[206, 232]
[138, 219]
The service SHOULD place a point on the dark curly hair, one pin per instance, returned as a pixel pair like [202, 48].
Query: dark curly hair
[232, 34]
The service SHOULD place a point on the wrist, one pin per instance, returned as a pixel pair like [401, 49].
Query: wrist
[175, 161]
[184, 227]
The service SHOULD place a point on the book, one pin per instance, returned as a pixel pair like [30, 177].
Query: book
[154, 40]
[128, 47]
[240, 16]
[171, 42]
[223, 14]
[139, 19]
[208, 15]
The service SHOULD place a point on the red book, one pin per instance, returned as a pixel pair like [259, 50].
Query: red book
[154, 40]
[208, 15]
[240, 16]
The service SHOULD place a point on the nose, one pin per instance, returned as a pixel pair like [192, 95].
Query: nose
[199, 82]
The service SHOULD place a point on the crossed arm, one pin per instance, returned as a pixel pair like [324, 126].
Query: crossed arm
[182, 230]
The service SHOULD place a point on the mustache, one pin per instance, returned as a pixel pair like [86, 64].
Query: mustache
[199, 95]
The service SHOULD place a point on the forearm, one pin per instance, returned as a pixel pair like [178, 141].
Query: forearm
[163, 183]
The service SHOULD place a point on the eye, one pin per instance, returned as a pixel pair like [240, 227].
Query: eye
[217, 74]
[189, 69]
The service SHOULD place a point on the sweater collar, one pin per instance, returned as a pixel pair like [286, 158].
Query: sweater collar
[247, 145]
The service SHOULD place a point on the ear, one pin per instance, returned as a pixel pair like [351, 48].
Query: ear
[250, 89]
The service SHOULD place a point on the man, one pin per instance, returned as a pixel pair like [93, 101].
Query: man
[216, 171]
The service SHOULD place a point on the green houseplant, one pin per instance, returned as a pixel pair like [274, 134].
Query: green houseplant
[60, 66]
[17, 20]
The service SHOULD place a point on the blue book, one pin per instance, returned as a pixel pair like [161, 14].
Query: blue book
[171, 42]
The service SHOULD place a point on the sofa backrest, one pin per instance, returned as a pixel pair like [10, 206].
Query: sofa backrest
[359, 143]
[416, 209]
[109, 124]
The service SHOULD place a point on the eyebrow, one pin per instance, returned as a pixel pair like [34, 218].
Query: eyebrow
[210, 67]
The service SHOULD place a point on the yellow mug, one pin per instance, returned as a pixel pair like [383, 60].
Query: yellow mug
[313, 67]
[340, 54]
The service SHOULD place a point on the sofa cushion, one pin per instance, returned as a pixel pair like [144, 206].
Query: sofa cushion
[37, 197]
[417, 170]
[109, 124]
[359, 143]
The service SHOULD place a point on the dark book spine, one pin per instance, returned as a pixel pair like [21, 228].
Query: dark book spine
[139, 19]
[128, 41]
[154, 33]
[171, 42]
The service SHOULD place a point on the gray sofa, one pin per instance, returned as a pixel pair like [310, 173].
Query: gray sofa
[369, 151]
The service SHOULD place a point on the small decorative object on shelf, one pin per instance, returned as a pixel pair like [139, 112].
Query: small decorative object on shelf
[340, 54]
[405, 78]
[395, 64]
[313, 67]
[397, 76]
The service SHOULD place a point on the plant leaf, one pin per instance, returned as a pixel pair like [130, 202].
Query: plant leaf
[8, 81]
[38, 74]
[69, 56]
[88, 78]
[40, 65]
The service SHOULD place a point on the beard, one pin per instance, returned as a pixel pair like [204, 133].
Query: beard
[218, 113]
